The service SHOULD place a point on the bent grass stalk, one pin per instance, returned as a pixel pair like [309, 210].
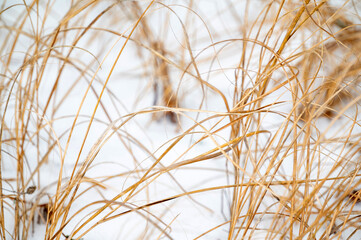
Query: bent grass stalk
[262, 99]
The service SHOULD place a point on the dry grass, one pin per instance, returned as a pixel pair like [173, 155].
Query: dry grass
[242, 110]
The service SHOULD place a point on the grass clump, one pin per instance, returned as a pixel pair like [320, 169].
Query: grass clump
[172, 119]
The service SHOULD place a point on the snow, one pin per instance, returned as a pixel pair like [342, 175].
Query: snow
[126, 138]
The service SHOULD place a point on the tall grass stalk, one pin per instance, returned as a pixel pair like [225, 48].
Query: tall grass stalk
[180, 119]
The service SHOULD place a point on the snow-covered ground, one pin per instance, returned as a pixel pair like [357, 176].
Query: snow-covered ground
[94, 117]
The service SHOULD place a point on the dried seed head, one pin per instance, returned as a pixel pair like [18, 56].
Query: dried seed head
[30, 190]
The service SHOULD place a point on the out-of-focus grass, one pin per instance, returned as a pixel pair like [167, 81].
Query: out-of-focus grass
[269, 90]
